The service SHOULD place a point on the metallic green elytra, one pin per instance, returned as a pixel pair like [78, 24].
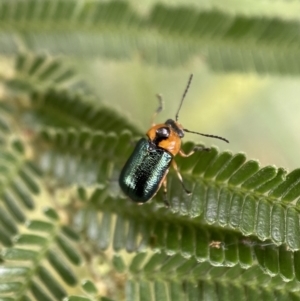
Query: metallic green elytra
[142, 174]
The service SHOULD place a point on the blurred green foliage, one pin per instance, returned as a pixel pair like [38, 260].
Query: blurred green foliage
[77, 86]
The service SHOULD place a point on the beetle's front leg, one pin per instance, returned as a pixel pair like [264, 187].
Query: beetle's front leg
[180, 177]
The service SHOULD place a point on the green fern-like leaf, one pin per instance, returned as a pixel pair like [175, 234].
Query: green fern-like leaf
[41, 263]
[226, 190]
[41, 71]
[165, 35]
[52, 108]
[236, 235]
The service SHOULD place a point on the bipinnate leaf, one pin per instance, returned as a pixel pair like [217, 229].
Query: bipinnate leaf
[163, 34]
[236, 236]
[38, 71]
[41, 261]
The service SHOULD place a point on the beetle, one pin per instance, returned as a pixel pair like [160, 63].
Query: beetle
[146, 169]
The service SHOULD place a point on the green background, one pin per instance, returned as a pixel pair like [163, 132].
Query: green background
[238, 235]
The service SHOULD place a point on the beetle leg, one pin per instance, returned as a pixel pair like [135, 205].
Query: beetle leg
[165, 198]
[180, 177]
[158, 110]
[197, 148]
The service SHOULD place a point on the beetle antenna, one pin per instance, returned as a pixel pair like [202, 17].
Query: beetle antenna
[206, 135]
[159, 109]
[183, 96]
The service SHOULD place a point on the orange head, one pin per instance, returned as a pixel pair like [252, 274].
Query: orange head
[167, 136]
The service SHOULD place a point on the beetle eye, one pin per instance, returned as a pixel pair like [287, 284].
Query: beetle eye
[181, 133]
[163, 132]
